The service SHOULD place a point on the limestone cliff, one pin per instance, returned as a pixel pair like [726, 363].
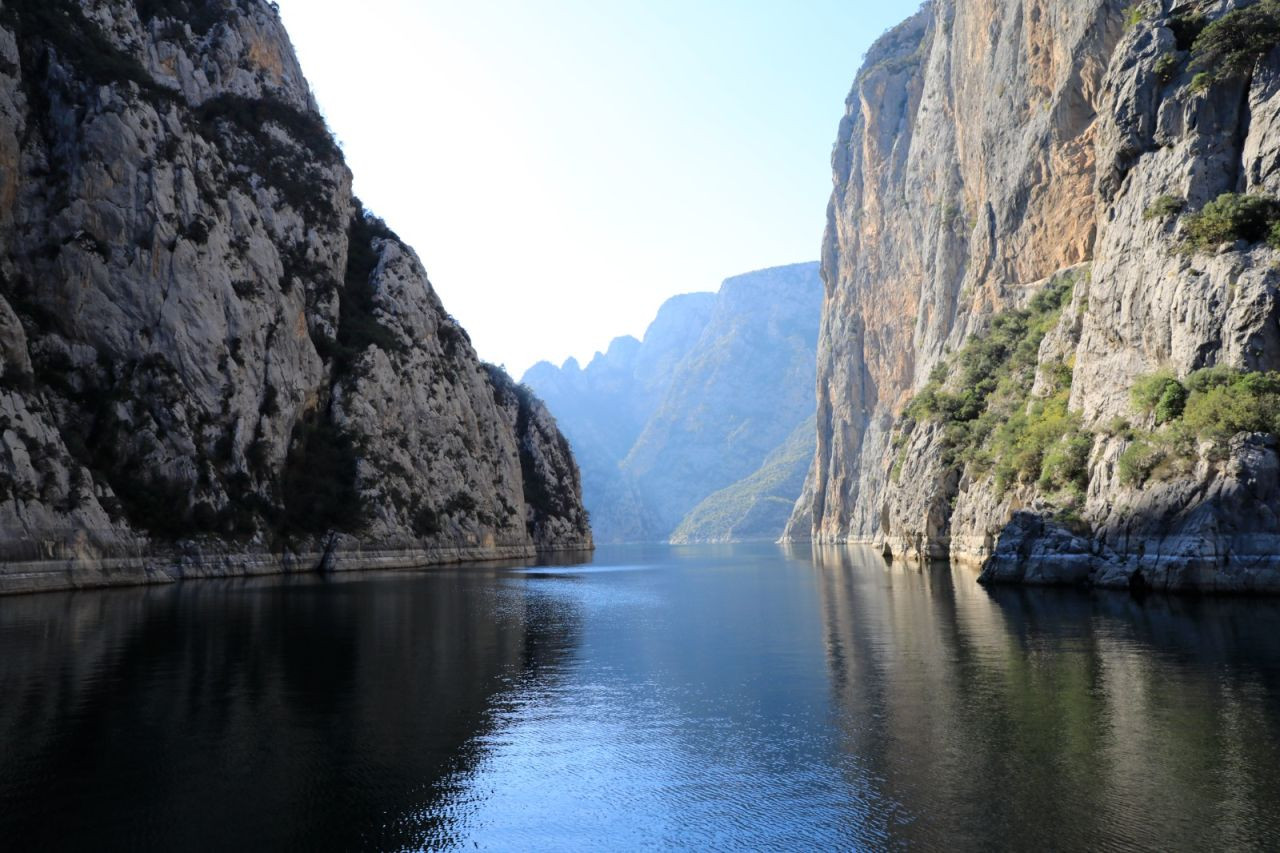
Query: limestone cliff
[214, 360]
[1040, 190]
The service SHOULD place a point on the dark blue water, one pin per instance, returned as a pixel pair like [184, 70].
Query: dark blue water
[693, 698]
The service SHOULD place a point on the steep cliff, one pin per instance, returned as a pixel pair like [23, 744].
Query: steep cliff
[715, 390]
[1040, 209]
[214, 360]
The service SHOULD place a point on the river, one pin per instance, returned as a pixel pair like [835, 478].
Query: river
[712, 697]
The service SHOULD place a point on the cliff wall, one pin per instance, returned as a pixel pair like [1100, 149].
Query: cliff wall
[1038, 191]
[215, 361]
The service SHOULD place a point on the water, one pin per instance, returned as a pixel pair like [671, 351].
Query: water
[696, 698]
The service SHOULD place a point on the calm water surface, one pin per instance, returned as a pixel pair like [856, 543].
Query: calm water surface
[697, 698]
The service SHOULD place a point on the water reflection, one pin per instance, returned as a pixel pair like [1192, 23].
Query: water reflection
[216, 714]
[694, 698]
[1046, 718]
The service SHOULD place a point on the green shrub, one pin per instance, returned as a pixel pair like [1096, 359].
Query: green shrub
[1213, 404]
[1167, 67]
[1160, 394]
[1201, 82]
[1041, 443]
[1138, 460]
[1231, 217]
[1207, 378]
[1250, 402]
[982, 398]
[1232, 45]
[1164, 207]
[1273, 237]
[1173, 399]
[1066, 462]
[1118, 427]
[1135, 14]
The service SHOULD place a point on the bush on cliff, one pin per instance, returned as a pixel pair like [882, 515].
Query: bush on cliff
[991, 423]
[1232, 45]
[1187, 27]
[1159, 394]
[1217, 403]
[1231, 217]
[1005, 352]
[1164, 207]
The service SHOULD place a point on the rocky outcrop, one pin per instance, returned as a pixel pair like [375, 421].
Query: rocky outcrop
[992, 151]
[214, 360]
[713, 393]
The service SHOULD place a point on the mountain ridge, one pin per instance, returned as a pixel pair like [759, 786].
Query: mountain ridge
[718, 383]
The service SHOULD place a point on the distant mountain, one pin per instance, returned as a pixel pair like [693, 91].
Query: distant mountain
[717, 387]
[608, 404]
[755, 508]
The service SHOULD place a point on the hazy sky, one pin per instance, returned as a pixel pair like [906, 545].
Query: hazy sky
[563, 166]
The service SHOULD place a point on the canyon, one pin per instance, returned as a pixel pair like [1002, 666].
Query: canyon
[702, 431]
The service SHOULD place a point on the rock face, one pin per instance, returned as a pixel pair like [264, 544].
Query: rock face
[214, 360]
[989, 150]
[714, 392]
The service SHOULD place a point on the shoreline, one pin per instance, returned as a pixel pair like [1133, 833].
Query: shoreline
[1187, 565]
[30, 577]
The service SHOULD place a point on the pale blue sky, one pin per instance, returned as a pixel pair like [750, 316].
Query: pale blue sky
[563, 166]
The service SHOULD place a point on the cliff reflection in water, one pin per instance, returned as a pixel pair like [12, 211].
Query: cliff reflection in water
[739, 697]
[1053, 718]
[219, 713]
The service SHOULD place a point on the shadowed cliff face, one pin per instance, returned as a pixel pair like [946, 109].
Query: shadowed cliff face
[207, 339]
[989, 150]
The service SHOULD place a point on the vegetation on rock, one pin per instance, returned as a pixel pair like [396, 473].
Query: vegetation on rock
[1231, 217]
[1164, 207]
[1210, 406]
[318, 485]
[200, 15]
[62, 26]
[1167, 66]
[992, 423]
[1187, 27]
[1231, 46]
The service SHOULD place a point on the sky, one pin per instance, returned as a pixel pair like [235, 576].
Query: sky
[562, 167]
